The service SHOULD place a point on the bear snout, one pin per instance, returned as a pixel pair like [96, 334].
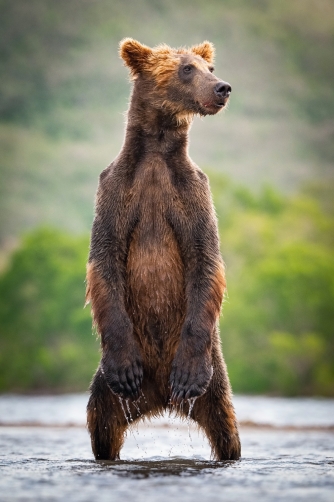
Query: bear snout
[216, 98]
[222, 89]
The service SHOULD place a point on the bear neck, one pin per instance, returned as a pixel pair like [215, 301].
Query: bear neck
[157, 130]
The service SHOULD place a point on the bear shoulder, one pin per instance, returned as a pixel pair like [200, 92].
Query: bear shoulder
[202, 176]
[104, 174]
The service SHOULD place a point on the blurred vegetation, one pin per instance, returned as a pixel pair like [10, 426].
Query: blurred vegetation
[278, 317]
[47, 340]
[63, 92]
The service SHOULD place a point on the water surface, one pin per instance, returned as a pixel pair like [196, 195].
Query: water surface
[50, 460]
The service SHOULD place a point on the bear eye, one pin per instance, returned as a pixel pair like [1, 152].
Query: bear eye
[212, 69]
[187, 69]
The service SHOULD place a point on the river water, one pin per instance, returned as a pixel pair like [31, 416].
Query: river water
[287, 454]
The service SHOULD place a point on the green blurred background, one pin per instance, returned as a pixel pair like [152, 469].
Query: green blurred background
[269, 157]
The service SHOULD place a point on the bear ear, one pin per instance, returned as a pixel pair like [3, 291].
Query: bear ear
[206, 50]
[134, 54]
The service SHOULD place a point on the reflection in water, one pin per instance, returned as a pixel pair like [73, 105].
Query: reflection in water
[163, 467]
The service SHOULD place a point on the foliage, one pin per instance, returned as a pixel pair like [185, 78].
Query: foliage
[278, 316]
[63, 92]
[46, 340]
[61, 101]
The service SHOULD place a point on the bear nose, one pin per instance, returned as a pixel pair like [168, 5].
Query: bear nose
[223, 89]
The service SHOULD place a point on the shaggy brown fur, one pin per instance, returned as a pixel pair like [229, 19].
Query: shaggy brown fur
[155, 277]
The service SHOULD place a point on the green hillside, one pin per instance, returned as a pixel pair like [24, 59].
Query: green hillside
[64, 92]
[277, 323]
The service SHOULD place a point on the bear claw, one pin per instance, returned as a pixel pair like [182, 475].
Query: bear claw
[125, 381]
[190, 379]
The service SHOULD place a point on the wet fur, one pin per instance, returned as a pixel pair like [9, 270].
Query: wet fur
[155, 277]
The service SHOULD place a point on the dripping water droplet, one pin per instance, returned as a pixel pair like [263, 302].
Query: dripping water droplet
[191, 402]
[136, 405]
[128, 408]
[122, 406]
[143, 395]
[127, 418]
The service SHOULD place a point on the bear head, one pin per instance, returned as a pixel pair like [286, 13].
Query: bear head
[179, 82]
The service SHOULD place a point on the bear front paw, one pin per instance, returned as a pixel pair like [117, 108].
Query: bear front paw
[123, 379]
[190, 377]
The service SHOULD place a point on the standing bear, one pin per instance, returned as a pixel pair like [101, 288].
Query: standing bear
[155, 277]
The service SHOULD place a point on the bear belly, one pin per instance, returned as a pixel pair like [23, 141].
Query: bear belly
[156, 291]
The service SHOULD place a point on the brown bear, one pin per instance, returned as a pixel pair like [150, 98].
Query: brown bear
[155, 277]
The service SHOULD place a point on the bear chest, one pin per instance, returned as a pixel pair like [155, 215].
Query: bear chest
[154, 265]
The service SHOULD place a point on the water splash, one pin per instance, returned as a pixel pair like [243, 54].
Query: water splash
[129, 419]
[191, 402]
[172, 409]
[123, 409]
[136, 405]
[128, 408]
[143, 396]
[171, 417]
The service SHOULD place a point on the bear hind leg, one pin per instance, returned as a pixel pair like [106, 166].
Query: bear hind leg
[219, 425]
[106, 420]
[215, 415]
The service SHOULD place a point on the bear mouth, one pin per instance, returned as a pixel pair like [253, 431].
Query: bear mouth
[210, 108]
[213, 105]
[219, 104]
